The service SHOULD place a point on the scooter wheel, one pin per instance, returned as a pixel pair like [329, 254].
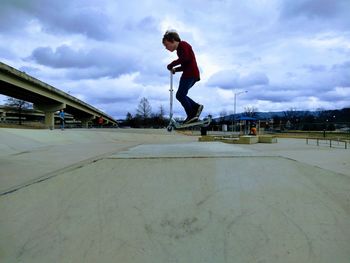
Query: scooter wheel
[169, 128]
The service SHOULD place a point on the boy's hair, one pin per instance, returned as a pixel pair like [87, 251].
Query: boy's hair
[171, 36]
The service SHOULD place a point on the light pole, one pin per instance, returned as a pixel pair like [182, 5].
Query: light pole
[234, 109]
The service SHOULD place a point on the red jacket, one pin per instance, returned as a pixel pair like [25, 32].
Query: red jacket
[187, 60]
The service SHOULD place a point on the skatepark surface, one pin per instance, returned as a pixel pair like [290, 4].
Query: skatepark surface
[134, 195]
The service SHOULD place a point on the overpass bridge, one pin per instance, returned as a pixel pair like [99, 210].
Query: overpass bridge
[46, 98]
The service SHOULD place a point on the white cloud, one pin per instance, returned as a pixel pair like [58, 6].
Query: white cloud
[229, 79]
[109, 53]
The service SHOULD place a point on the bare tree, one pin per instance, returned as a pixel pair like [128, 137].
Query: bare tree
[144, 109]
[292, 114]
[161, 112]
[250, 111]
[18, 105]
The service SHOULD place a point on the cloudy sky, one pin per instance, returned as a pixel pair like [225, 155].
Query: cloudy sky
[284, 53]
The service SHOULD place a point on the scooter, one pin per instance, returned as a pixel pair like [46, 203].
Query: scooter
[173, 124]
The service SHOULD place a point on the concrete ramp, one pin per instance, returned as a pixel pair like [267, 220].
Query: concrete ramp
[181, 202]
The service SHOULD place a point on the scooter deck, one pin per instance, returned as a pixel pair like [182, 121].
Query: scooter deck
[202, 123]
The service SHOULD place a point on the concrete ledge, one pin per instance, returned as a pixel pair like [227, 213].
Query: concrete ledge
[247, 139]
[267, 139]
[206, 138]
[224, 139]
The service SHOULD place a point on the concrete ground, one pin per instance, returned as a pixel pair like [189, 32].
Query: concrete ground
[151, 196]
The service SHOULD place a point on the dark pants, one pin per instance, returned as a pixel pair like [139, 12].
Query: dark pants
[189, 105]
[62, 123]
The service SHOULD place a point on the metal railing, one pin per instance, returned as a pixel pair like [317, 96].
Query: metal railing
[332, 143]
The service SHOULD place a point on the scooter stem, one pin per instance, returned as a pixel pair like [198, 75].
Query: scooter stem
[171, 95]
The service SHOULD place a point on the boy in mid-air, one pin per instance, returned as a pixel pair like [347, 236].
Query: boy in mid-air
[186, 63]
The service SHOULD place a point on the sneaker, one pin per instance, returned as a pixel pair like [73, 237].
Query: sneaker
[190, 119]
[199, 111]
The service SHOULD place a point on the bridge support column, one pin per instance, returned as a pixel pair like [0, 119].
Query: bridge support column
[85, 122]
[50, 113]
[50, 120]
